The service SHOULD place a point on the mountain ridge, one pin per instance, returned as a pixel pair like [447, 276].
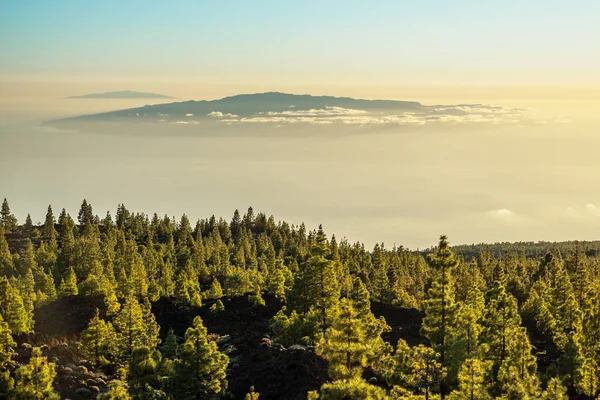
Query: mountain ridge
[250, 104]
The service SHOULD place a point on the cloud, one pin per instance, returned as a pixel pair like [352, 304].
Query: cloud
[219, 114]
[448, 115]
[593, 210]
[317, 112]
[505, 216]
[189, 115]
[502, 213]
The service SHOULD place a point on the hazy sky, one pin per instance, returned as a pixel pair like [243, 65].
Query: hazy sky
[309, 42]
[543, 56]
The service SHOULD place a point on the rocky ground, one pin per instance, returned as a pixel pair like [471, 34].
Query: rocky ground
[242, 331]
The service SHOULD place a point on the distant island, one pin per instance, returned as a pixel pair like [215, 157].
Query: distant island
[278, 109]
[269, 105]
[123, 94]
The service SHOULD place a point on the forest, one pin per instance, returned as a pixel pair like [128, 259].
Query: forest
[139, 306]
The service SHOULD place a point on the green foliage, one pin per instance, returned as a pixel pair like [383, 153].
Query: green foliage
[6, 260]
[217, 306]
[200, 368]
[316, 286]
[344, 344]
[216, 292]
[7, 220]
[140, 259]
[170, 347]
[353, 341]
[472, 380]
[439, 306]
[143, 376]
[98, 341]
[68, 285]
[256, 298]
[349, 389]
[7, 344]
[13, 309]
[519, 366]
[252, 395]
[293, 328]
[555, 390]
[117, 390]
[35, 379]
[136, 327]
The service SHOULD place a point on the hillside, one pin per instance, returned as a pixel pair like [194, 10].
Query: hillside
[151, 307]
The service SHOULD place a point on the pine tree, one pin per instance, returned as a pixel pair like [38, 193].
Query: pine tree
[68, 286]
[28, 260]
[501, 320]
[317, 286]
[216, 292]
[13, 310]
[200, 368]
[256, 297]
[7, 344]
[49, 231]
[170, 347]
[555, 390]
[579, 273]
[6, 260]
[571, 360]
[35, 379]
[373, 327]
[277, 278]
[67, 245]
[28, 225]
[26, 286]
[187, 287]
[131, 331]
[589, 383]
[519, 366]
[44, 287]
[151, 327]
[143, 376]
[439, 306]
[252, 395]
[117, 390]
[348, 389]
[344, 344]
[424, 371]
[472, 380]
[7, 220]
[381, 288]
[98, 341]
[85, 217]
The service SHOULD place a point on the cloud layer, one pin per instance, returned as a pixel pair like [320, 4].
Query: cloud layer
[458, 114]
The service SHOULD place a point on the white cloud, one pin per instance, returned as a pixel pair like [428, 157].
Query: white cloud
[460, 114]
[593, 210]
[315, 112]
[189, 115]
[219, 114]
[506, 216]
[502, 212]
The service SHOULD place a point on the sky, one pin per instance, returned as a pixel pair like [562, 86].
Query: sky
[304, 43]
[539, 55]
